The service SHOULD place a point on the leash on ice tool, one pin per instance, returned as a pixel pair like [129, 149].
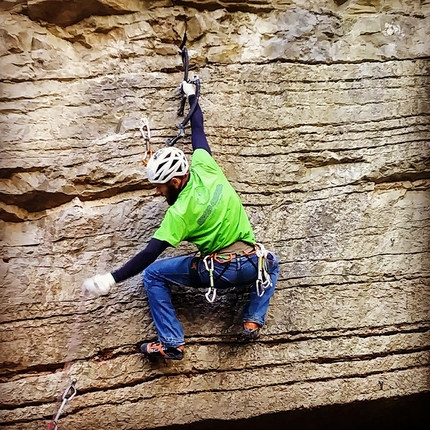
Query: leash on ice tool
[66, 398]
[196, 81]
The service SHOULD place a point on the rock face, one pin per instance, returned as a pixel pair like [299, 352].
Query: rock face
[318, 112]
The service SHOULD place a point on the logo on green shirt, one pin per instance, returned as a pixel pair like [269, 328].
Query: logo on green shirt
[202, 195]
[213, 204]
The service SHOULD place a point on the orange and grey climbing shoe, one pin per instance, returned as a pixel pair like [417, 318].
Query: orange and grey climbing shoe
[158, 350]
[251, 331]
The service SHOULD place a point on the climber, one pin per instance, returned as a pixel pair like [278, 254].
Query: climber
[206, 211]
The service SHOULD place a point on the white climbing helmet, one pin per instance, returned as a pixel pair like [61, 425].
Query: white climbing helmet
[165, 164]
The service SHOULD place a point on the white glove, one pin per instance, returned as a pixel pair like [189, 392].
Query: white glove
[98, 285]
[188, 89]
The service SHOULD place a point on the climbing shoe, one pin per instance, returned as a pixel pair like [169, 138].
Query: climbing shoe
[158, 350]
[251, 331]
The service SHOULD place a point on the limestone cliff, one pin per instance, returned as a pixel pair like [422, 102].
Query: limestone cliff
[318, 112]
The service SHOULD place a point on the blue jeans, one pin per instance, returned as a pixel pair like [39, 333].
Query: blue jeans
[176, 270]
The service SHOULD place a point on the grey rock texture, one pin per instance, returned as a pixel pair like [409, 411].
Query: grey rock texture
[318, 112]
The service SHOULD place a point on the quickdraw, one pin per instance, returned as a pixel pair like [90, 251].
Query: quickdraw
[66, 398]
[146, 136]
[196, 82]
[209, 266]
[263, 281]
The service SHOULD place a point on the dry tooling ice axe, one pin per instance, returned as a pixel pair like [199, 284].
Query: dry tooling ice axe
[196, 81]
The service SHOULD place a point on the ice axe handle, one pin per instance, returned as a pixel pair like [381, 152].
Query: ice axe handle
[185, 63]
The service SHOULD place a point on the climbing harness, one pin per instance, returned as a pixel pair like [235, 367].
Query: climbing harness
[146, 136]
[66, 398]
[196, 82]
[263, 281]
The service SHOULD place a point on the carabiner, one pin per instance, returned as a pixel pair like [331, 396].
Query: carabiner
[208, 296]
[70, 391]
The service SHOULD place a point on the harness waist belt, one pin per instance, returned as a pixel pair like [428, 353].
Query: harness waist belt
[238, 247]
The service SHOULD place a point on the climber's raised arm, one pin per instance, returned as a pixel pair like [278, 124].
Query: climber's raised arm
[198, 137]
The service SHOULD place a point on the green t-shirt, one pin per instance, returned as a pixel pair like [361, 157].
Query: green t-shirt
[208, 211]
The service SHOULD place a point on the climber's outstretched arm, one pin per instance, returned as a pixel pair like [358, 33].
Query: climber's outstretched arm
[198, 137]
[141, 260]
[101, 284]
